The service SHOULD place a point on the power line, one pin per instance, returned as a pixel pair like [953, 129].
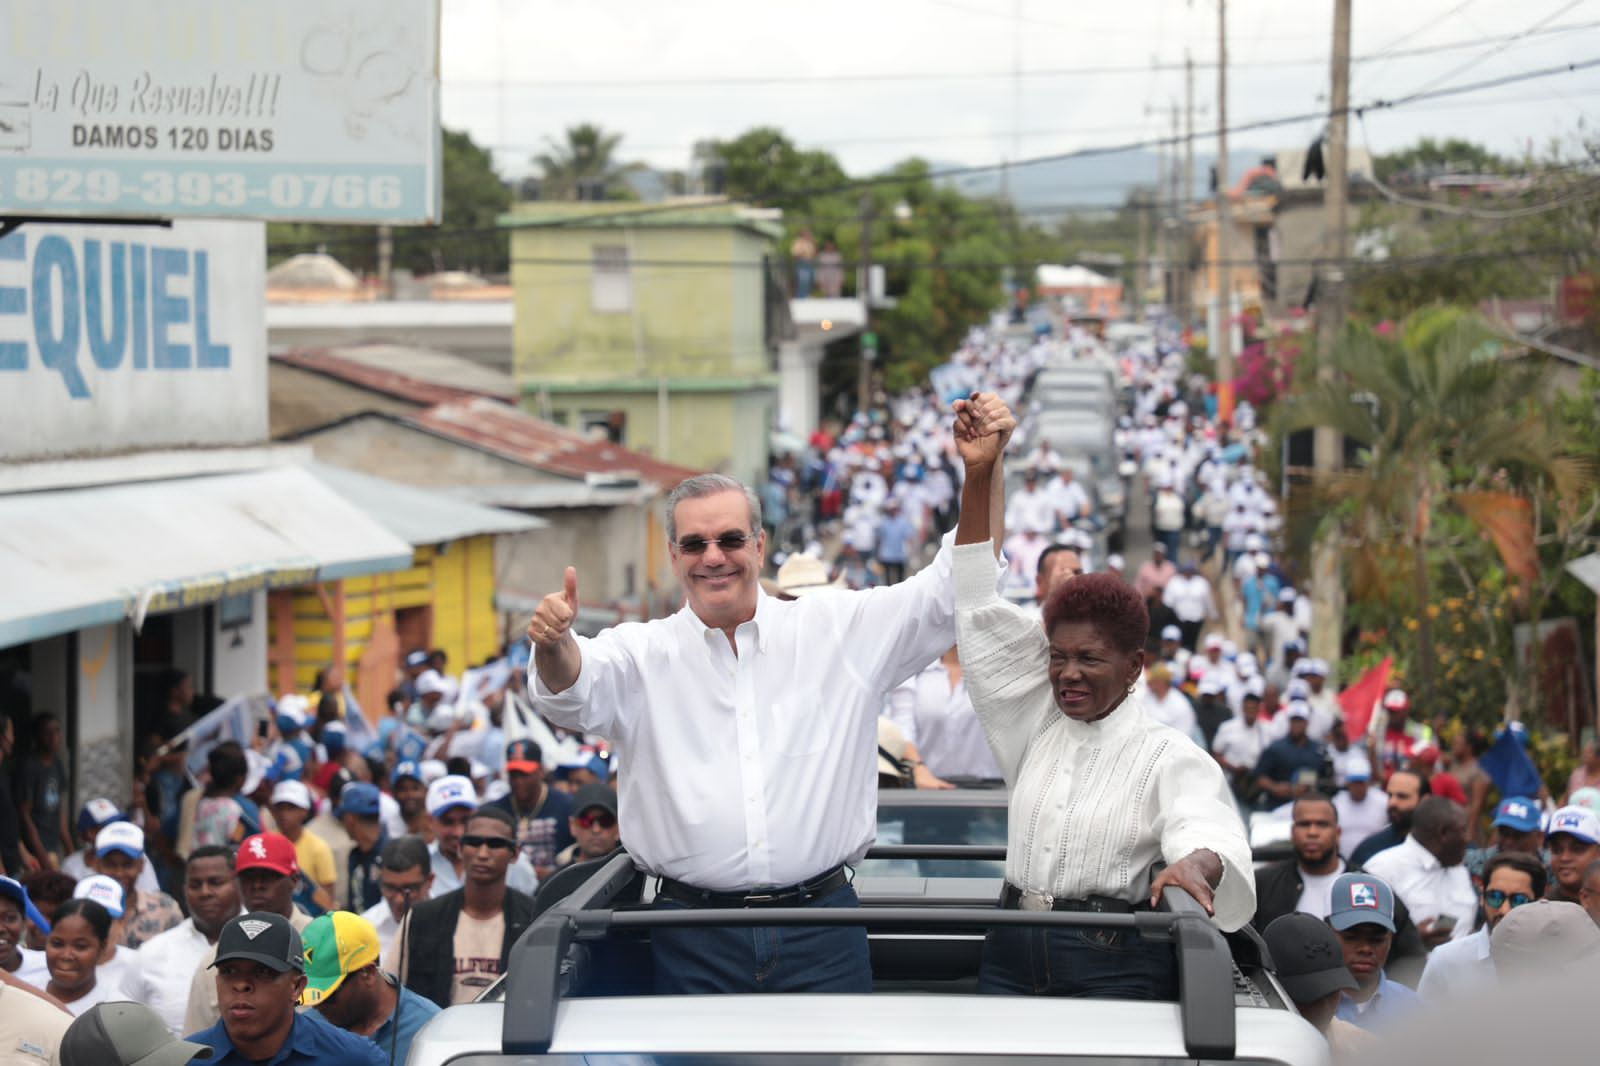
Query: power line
[752, 80]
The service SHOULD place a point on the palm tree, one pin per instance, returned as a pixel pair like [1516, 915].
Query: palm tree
[585, 162]
[1439, 415]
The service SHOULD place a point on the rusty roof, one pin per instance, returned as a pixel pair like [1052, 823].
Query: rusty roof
[516, 435]
[377, 379]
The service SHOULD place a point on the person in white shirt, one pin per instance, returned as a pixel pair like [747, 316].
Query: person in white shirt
[95, 816]
[119, 969]
[1363, 810]
[748, 728]
[79, 935]
[1033, 508]
[1426, 872]
[1239, 743]
[934, 712]
[1071, 501]
[1189, 596]
[1510, 880]
[169, 960]
[406, 878]
[1168, 705]
[1100, 792]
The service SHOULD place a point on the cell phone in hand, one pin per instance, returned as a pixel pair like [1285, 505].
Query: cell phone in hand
[1444, 923]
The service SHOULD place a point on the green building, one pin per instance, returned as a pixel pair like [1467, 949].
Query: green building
[657, 324]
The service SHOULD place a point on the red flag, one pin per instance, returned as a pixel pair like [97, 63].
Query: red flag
[1360, 698]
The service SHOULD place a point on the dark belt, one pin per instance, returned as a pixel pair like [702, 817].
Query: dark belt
[1013, 898]
[788, 896]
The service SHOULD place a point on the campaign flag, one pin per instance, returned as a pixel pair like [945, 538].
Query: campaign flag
[1360, 698]
[359, 733]
[1509, 766]
[234, 720]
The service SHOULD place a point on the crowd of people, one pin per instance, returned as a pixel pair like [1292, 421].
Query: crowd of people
[325, 886]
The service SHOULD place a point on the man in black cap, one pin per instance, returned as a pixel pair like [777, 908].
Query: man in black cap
[1310, 966]
[260, 976]
[122, 1034]
[594, 825]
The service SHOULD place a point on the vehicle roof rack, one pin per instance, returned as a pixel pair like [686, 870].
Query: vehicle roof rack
[540, 968]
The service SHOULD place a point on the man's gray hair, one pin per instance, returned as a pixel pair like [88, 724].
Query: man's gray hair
[710, 485]
[407, 853]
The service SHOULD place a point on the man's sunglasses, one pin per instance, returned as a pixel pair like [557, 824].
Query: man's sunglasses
[603, 819]
[727, 543]
[488, 842]
[1495, 899]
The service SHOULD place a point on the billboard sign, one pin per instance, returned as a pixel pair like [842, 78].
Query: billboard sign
[303, 110]
[120, 337]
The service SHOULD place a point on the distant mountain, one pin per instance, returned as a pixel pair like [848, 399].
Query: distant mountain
[1091, 181]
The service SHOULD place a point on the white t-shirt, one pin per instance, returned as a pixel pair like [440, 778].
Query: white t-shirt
[1316, 898]
[1358, 821]
[477, 955]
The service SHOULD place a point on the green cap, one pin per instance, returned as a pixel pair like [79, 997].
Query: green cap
[337, 945]
[124, 1034]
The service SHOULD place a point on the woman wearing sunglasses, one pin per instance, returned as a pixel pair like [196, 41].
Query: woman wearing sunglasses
[1511, 879]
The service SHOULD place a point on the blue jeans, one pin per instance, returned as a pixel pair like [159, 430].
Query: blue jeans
[755, 959]
[1091, 963]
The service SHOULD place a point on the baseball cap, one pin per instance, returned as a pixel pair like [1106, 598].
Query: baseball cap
[293, 712]
[1210, 686]
[13, 890]
[103, 890]
[98, 813]
[1214, 640]
[294, 793]
[361, 799]
[409, 768]
[1171, 633]
[268, 851]
[264, 937]
[1358, 769]
[120, 836]
[801, 575]
[125, 1034]
[1519, 813]
[451, 790]
[1308, 957]
[416, 658]
[334, 737]
[1361, 899]
[1318, 667]
[595, 795]
[1300, 709]
[1579, 822]
[1115, 562]
[522, 756]
[1546, 936]
[431, 683]
[1396, 700]
[336, 946]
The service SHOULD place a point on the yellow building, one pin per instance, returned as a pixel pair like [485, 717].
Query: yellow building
[654, 324]
[446, 600]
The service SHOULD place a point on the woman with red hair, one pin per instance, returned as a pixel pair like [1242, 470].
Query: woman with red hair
[1100, 791]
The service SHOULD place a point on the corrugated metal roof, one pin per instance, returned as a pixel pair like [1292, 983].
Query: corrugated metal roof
[511, 433]
[90, 556]
[378, 379]
[419, 516]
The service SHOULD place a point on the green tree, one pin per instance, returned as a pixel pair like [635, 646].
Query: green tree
[1452, 155]
[1440, 415]
[585, 161]
[472, 195]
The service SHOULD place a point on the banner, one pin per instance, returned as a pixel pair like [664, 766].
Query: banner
[1359, 700]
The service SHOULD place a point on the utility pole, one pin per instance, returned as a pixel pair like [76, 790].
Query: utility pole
[1327, 592]
[1222, 341]
[386, 261]
[1141, 270]
[869, 340]
[1185, 298]
[1170, 229]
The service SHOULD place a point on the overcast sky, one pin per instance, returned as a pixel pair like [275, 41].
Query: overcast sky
[519, 71]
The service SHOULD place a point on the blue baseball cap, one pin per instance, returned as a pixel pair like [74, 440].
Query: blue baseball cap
[334, 737]
[12, 889]
[1519, 813]
[361, 798]
[97, 814]
[409, 768]
[1361, 899]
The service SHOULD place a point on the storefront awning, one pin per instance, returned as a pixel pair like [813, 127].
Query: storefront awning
[90, 556]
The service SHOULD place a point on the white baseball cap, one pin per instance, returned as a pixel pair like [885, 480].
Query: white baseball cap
[120, 836]
[294, 793]
[432, 683]
[1580, 822]
[103, 890]
[451, 790]
[1171, 632]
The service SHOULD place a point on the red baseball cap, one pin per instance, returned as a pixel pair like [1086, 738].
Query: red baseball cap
[267, 851]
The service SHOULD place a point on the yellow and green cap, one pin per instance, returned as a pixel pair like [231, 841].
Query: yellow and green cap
[337, 945]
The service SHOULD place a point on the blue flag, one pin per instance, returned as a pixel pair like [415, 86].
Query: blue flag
[1508, 765]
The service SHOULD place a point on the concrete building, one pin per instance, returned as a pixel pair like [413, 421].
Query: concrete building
[660, 326]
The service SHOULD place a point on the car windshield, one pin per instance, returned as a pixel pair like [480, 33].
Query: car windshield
[974, 816]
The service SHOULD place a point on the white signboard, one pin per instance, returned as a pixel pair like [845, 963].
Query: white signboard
[117, 337]
[316, 110]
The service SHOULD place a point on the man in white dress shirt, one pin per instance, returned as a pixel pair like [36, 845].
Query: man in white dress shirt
[170, 960]
[1189, 596]
[748, 726]
[1363, 810]
[1513, 879]
[1426, 872]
